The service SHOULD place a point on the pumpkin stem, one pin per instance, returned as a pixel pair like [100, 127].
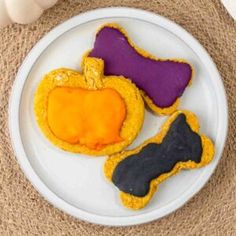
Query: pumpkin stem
[93, 72]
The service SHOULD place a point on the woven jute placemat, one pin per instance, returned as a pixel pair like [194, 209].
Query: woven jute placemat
[211, 212]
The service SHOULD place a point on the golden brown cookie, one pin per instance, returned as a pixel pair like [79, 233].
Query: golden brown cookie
[137, 173]
[88, 113]
[161, 81]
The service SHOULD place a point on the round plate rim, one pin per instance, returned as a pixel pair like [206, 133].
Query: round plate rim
[17, 88]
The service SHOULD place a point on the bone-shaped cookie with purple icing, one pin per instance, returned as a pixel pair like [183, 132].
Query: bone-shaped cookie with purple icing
[162, 82]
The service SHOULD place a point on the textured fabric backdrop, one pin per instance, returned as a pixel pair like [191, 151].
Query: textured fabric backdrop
[211, 212]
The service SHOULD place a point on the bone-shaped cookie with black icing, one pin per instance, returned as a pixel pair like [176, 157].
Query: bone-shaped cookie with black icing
[161, 82]
[137, 173]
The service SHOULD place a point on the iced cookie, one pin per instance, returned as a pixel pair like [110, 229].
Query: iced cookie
[88, 113]
[178, 145]
[162, 82]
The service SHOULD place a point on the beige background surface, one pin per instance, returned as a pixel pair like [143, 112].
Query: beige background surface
[211, 212]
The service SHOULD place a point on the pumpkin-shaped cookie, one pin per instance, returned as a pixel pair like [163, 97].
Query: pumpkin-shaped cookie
[88, 113]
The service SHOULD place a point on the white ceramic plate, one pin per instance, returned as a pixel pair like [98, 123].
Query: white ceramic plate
[74, 182]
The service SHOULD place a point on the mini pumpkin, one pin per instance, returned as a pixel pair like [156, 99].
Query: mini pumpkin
[88, 113]
[22, 12]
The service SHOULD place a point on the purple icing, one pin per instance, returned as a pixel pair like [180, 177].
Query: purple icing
[163, 81]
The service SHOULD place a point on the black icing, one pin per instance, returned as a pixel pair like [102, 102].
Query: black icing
[134, 173]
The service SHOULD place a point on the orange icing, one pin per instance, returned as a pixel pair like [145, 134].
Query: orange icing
[89, 117]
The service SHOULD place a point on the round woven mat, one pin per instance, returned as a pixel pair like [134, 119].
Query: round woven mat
[211, 212]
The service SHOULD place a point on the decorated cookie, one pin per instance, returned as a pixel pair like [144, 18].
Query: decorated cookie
[137, 173]
[88, 113]
[162, 82]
